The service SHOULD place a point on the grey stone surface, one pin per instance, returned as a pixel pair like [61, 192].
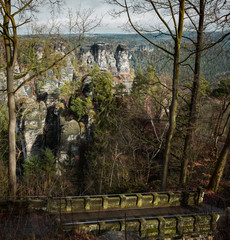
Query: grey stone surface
[106, 57]
[122, 59]
[42, 123]
[31, 125]
[2, 85]
[70, 135]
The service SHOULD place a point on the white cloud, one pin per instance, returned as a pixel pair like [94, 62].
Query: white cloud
[100, 8]
[109, 24]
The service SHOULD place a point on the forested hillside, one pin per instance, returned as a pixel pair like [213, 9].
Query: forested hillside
[215, 61]
[91, 113]
[105, 138]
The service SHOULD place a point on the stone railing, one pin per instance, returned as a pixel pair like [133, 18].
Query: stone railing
[169, 227]
[103, 202]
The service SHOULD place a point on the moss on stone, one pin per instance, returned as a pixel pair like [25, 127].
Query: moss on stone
[147, 200]
[113, 202]
[131, 201]
[133, 226]
[93, 203]
[77, 204]
[115, 226]
[56, 205]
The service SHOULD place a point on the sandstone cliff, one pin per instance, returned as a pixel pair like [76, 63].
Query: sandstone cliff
[108, 58]
[41, 119]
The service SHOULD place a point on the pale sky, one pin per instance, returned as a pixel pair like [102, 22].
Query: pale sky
[109, 24]
[100, 8]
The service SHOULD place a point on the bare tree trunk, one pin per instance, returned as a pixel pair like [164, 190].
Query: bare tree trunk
[8, 29]
[113, 165]
[102, 175]
[174, 104]
[10, 60]
[172, 120]
[11, 137]
[193, 106]
[218, 133]
[219, 121]
[220, 165]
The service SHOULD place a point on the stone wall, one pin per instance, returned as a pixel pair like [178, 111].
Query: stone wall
[115, 201]
[126, 201]
[179, 227]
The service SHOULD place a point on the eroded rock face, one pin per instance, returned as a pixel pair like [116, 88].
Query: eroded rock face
[48, 93]
[106, 57]
[31, 125]
[41, 127]
[42, 122]
[122, 59]
[87, 56]
[70, 138]
[125, 79]
[67, 74]
[2, 85]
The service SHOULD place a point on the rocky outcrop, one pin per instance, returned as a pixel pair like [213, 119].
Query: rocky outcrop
[42, 122]
[124, 79]
[31, 125]
[39, 121]
[40, 126]
[106, 57]
[48, 93]
[71, 134]
[122, 59]
[2, 85]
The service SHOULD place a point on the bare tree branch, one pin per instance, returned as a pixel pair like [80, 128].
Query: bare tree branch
[47, 68]
[156, 45]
